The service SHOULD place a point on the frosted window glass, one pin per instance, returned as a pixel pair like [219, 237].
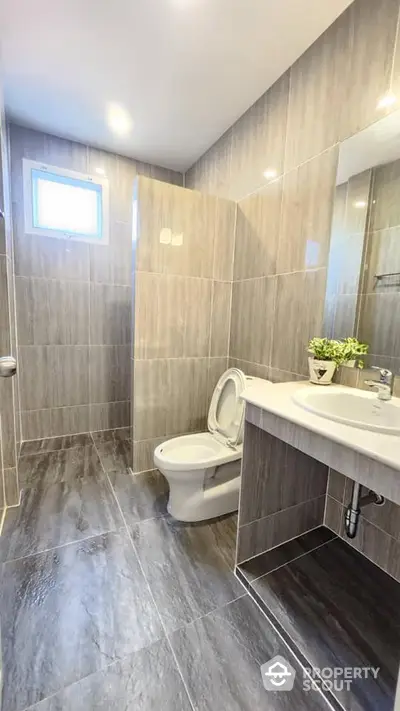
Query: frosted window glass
[66, 205]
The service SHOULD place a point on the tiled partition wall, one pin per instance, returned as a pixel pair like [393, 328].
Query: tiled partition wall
[10, 436]
[283, 228]
[74, 300]
[184, 262]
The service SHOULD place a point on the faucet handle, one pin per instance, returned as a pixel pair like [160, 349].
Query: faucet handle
[385, 374]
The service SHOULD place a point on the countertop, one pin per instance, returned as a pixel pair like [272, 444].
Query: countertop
[277, 399]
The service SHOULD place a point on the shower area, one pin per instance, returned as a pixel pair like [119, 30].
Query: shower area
[130, 335]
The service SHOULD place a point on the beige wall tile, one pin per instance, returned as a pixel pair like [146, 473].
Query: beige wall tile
[220, 318]
[383, 257]
[187, 395]
[143, 453]
[54, 422]
[385, 210]
[318, 93]
[151, 399]
[358, 191]
[53, 376]
[172, 316]
[224, 243]
[109, 415]
[345, 316]
[113, 264]
[298, 317]
[257, 232]
[216, 368]
[110, 373]
[110, 314]
[253, 304]
[11, 486]
[8, 433]
[52, 312]
[50, 258]
[334, 515]
[253, 369]
[379, 323]
[373, 26]
[258, 141]
[307, 205]
[212, 172]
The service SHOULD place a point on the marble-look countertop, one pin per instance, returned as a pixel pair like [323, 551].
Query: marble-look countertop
[278, 400]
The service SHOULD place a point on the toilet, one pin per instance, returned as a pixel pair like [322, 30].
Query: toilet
[203, 470]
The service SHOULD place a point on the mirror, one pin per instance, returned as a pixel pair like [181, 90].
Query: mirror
[363, 282]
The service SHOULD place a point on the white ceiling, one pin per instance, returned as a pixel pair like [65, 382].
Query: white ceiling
[184, 70]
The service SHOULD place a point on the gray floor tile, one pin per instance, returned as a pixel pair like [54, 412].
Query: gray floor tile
[115, 454]
[122, 433]
[70, 612]
[144, 681]
[54, 467]
[329, 602]
[266, 562]
[55, 443]
[220, 657]
[141, 496]
[51, 516]
[187, 574]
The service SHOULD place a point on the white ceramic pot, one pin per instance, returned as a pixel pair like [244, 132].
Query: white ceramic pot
[321, 371]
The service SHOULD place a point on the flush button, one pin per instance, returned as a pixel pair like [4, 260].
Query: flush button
[8, 367]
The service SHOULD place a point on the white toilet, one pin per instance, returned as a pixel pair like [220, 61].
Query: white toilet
[203, 470]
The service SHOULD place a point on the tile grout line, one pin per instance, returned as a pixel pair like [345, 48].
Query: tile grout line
[146, 581]
[284, 542]
[291, 560]
[275, 513]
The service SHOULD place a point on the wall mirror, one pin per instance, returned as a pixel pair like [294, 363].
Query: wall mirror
[363, 282]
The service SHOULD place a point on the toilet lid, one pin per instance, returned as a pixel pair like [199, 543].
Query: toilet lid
[226, 413]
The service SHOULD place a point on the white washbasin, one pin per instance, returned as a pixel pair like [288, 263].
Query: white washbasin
[351, 407]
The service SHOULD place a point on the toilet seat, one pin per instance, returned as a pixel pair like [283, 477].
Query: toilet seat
[193, 452]
[226, 412]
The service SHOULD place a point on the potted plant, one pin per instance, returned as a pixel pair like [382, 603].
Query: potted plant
[323, 362]
[352, 349]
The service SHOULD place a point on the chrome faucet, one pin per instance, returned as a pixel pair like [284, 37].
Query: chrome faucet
[384, 385]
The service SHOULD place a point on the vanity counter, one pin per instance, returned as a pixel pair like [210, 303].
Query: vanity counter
[369, 457]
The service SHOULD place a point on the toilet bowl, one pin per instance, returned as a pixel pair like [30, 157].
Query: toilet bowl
[203, 470]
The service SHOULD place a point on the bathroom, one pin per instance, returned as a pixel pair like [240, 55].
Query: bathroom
[172, 536]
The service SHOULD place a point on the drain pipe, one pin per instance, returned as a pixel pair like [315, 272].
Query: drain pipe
[353, 510]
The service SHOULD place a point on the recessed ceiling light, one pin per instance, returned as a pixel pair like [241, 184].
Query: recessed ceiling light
[118, 119]
[360, 203]
[386, 101]
[100, 171]
[270, 173]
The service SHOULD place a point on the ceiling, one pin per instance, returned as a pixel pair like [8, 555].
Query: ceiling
[174, 74]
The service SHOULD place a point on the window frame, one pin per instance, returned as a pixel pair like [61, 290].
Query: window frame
[69, 176]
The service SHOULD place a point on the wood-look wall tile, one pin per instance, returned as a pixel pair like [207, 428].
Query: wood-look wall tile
[275, 375]
[110, 373]
[109, 415]
[383, 257]
[318, 92]
[386, 517]
[253, 369]
[5, 336]
[385, 211]
[220, 318]
[334, 515]
[63, 153]
[11, 486]
[253, 305]
[276, 476]
[212, 172]
[53, 376]
[112, 263]
[224, 242]
[271, 531]
[110, 314]
[216, 368]
[307, 205]
[345, 316]
[258, 141]
[336, 483]
[379, 319]
[357, 204]
[372, 542]
[54, 422]
[143, 454]
[187, 413]
[151, 399]
[394, 559]
[51, 258]
[172, 316]
[185, 213]
[298, 317]
[157, 173]
[51, 312]
[257, 232]
[8, 433]
[373, 26]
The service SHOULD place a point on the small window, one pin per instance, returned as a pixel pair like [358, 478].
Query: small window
[63, 203]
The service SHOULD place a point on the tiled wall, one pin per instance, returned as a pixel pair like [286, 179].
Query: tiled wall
[10, 436]
[181, 311]
[283, 227]
[271, 513]
[380, 304]
[378, 535]
[348, 236]
[74, 300]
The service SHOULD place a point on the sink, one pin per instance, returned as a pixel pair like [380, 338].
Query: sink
[355, 408]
